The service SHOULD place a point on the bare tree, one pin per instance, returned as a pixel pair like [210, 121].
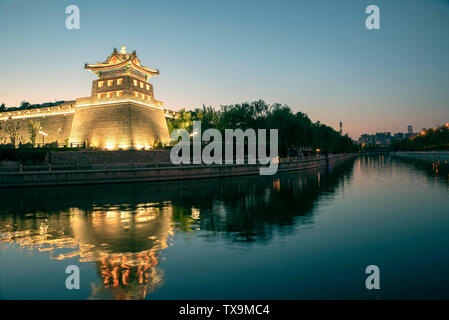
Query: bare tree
[12, 130]
[34, 127]
[2, 133]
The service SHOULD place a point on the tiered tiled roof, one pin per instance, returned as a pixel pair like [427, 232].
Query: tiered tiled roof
[121, 62]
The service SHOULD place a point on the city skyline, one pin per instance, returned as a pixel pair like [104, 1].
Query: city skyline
[317, 58]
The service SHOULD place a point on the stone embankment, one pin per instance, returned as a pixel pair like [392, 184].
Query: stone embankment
[110, 167]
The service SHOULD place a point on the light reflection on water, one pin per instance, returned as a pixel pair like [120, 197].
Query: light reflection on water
[120, 235]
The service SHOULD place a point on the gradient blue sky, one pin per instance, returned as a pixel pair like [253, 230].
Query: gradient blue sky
[315, 56]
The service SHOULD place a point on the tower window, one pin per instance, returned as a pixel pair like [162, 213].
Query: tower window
[100, 84]
[148, 87]
[119, 81]
[136, 94]
[110, 82]
[135, 83]
[119, 93]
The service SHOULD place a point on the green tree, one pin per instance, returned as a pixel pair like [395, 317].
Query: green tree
[295, 129]
[431, 139]
[182, 120]
[24, 104]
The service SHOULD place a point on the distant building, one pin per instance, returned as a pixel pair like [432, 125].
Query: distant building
[398, 136]
[382, 139]
[341, 128]
[409, 133]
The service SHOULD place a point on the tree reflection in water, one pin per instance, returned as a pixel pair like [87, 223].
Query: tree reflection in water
[124, 228]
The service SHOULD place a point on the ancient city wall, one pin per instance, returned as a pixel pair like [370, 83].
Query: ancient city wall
[55, 121]
[119, 126]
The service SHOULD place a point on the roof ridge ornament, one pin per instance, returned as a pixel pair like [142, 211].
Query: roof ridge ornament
[123, 50]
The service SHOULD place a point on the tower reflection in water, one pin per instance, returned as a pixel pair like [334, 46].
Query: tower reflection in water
[123, 229]
[124, 242]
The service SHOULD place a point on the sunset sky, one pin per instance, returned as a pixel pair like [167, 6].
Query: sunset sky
[315, 56]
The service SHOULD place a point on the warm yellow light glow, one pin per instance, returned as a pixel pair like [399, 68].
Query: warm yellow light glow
[35, 115]
[109, 147]
[135, 82]
[100, 84]
[43, 133]
[148, 87]
[110, 82]
[141, 84]
[114, 102]
[195, 213]
[119, 81]
[123, 146]
[318, 150]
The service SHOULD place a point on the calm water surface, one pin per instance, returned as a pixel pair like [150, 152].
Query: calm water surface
[301, 235]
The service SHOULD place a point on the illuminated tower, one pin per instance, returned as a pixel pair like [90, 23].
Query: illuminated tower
[122, 76]
[122, 112]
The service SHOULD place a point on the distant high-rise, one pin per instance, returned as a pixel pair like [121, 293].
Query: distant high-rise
[341, 128]
[410, 130]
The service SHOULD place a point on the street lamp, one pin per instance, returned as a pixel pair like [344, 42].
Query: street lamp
[43, 137]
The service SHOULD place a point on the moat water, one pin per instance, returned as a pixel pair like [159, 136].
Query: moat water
[303, 235]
